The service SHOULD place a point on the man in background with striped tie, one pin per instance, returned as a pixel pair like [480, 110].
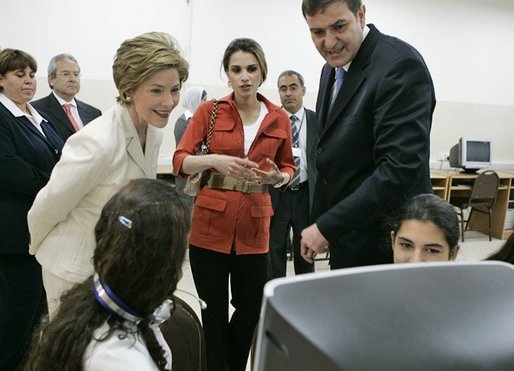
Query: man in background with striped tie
[68, 114]
[292, 207]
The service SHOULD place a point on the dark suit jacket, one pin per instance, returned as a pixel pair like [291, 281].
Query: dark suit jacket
[373, 149]
[26, 161]
[312, 141]
[52, 109]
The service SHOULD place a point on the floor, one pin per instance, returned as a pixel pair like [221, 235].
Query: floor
[476, 247]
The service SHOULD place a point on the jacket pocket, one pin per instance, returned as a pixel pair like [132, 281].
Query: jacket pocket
[271, 140]
[209, 216]
[211, 203]
[259, 224]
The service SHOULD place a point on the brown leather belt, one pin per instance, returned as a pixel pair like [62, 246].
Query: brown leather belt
[220, 181]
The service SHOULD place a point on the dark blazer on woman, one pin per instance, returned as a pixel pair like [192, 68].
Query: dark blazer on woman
[373, 149]
[26, 161]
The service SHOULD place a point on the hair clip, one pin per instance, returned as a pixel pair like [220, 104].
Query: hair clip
[125, 221]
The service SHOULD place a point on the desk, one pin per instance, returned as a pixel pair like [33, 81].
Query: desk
[449, 183]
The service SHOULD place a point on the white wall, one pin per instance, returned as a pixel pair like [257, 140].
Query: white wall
[466, 44]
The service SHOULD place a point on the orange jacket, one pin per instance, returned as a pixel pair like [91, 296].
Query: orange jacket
[222, 219]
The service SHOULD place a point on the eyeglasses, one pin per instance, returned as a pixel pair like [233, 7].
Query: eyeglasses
[68, 74]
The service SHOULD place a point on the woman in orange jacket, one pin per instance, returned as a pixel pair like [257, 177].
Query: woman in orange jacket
[250, 150]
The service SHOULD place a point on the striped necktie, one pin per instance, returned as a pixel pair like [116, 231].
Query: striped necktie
[296, 144]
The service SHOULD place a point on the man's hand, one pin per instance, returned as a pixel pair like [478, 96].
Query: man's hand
[312, 243]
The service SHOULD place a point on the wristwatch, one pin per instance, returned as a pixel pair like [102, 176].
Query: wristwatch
[284, 180]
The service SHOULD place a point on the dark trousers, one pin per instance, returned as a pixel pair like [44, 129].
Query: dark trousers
[227, 340]
[22, 303]
[291, 211]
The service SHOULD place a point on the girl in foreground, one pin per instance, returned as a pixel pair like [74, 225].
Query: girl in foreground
[111, 320]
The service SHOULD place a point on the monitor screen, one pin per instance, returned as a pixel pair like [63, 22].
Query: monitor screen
[478, 151]
[427, 316]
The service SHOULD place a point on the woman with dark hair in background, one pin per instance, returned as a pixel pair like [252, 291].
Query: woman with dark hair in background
[97, 161]
[110, 321]
[425, 229]
[29, 148]
[250, 150]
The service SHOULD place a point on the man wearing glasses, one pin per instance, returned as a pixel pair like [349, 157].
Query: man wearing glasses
[68, 114]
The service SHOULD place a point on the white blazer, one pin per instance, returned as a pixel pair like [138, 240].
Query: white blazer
[95, 163]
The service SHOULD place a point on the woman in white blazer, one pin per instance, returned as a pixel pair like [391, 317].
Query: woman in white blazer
[96, 162]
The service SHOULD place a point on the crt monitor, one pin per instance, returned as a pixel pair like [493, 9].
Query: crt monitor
[471, 154]
[425, 316]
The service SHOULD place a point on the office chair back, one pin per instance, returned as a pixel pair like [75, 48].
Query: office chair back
[482, 199]
[184, 334]
[485, 190]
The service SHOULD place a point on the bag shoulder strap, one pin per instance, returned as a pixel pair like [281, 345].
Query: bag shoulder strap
[211, 125]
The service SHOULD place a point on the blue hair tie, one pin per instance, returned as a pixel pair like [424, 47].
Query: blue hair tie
[112, 303]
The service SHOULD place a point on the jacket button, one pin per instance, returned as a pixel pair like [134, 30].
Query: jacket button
[320, 151]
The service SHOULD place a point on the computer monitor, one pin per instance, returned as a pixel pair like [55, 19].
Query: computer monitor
[471, 154]
[428, 316]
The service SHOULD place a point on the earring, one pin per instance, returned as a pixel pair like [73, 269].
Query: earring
[128, 98]
[229, 84]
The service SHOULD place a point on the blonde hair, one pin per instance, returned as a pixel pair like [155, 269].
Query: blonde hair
[139, 58]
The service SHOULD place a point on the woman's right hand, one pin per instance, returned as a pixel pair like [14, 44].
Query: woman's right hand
[233, 166]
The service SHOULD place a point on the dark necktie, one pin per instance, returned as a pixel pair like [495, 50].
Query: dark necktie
[296, 144]
[337, 85]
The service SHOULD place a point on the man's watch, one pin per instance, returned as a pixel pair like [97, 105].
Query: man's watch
[284, 180]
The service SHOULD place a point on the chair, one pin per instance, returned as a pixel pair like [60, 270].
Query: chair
[184, 334]
[482, 199]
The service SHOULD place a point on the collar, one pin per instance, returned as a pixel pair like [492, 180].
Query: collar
[17, 112]
[300, 113]
[62, 102]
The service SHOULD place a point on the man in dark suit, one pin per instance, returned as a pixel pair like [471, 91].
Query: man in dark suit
[67, 113]
[292, 206]
[374, 108]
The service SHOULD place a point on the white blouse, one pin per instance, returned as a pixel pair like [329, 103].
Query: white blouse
[122, 353]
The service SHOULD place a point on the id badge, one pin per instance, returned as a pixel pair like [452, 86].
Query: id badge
[297, 152]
